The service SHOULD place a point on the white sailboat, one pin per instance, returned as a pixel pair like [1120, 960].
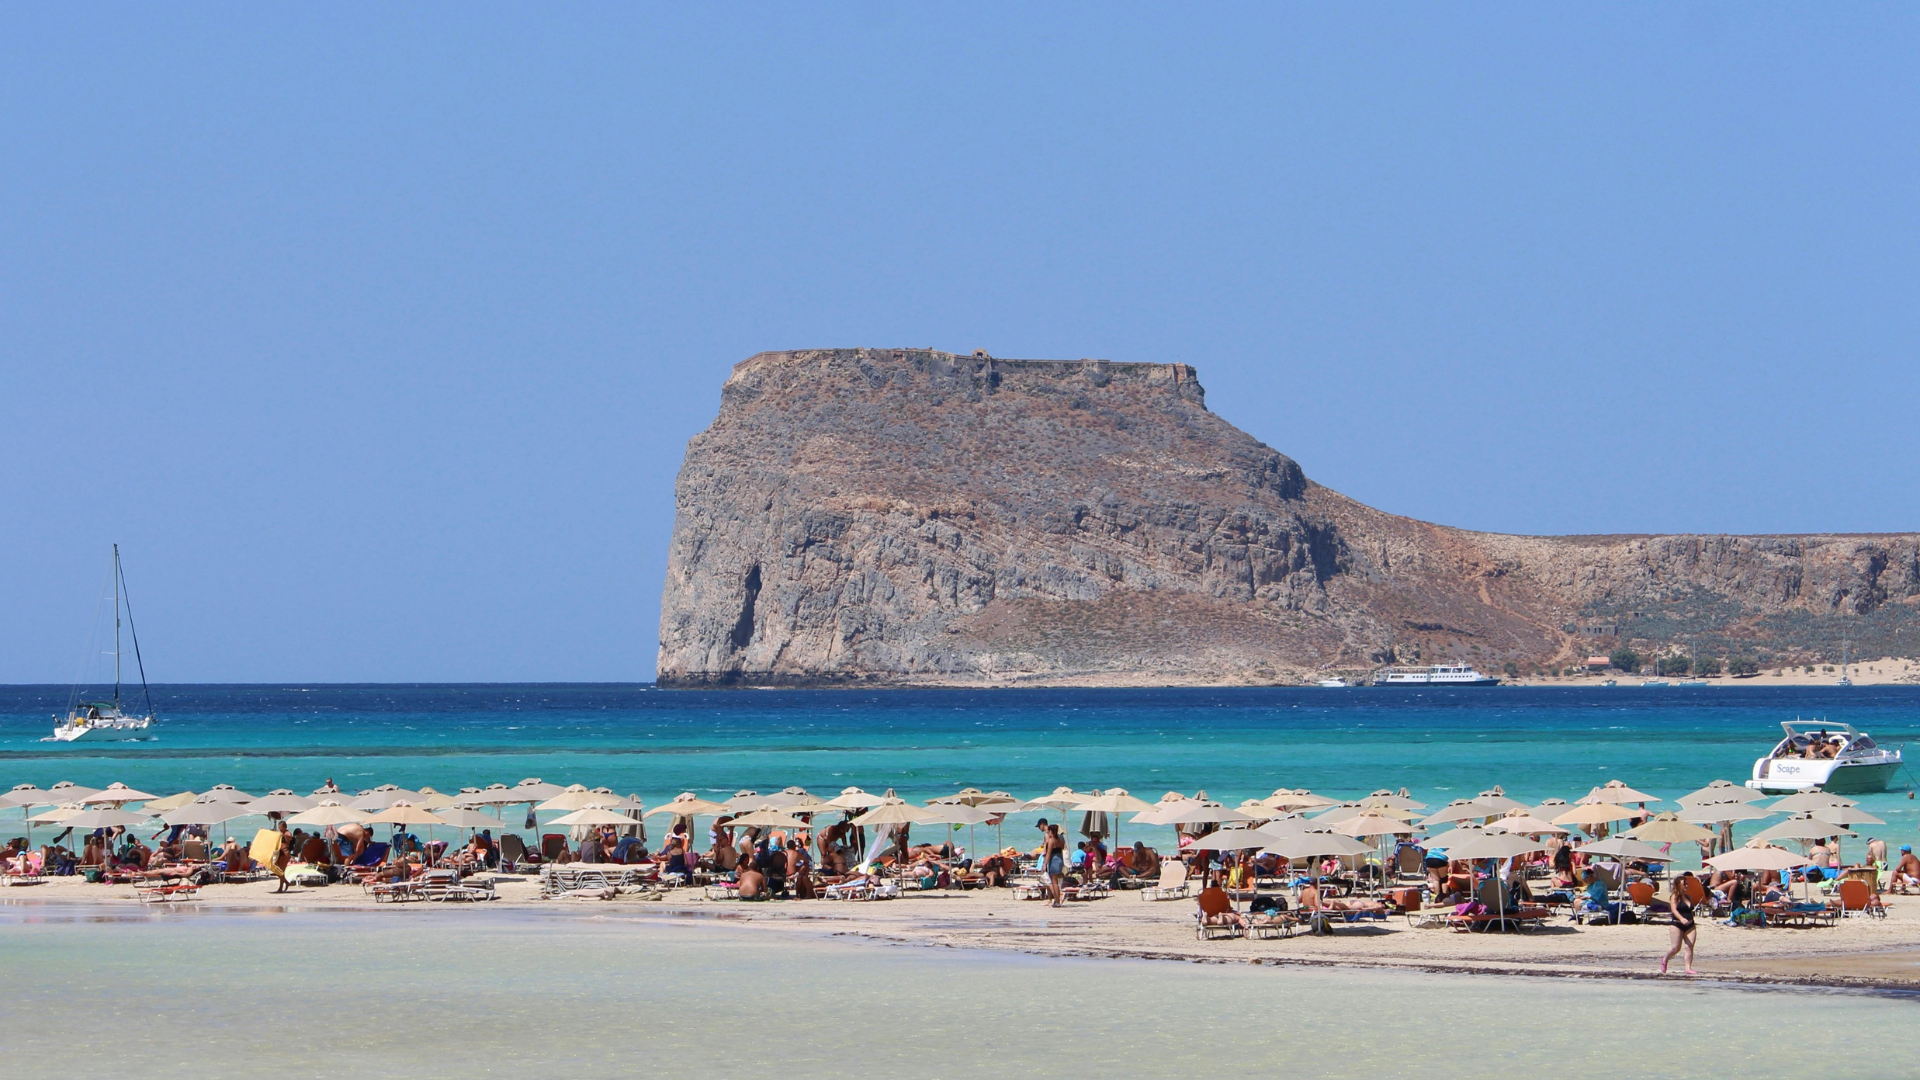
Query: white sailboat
[99, 721]
[1845, 678]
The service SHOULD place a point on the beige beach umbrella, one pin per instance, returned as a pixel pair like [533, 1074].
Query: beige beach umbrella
[117, 794]
[1457, 810]
[812, 804]
[853, 798]
[169, 802]
[1803, 827]
[461, 817]
[329, 812]
[1114, 801]
[768, 816]
[1623, 847]
[789, 796]
[277, 802]
[1519, 821]
[1494, 845]
[1316, 844]
[491, 795]
[1440, 841]
[1496, 800]
[1721, 791]
[577, 797]
[405, 813]
[895, 812]
[1062, 798]
[1374, 825]
[1758, 856]
[626, 804]
[1240, 839]
[1296, 799]
[594, 815]
[440, 800]
[226, 793]
[204, 811]
[22, 795]
[744, 801]
[958, 814]
[1613, 791]
[64, 793]
[687, 805]
[1721, 813]
[1594, 814]
[1845, 815]
[1808, 800]
[384, 796]
[970, 796]
[104, 818]
[533, 790]
[56, 815]
[1668, 828]
[1257, 810]
[1157, 813]
[1350, 811]
[1550, 809]
[1398, 800]
[1204, 813]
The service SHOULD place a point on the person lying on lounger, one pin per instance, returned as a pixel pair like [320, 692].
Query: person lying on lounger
[1312, 899]
[1216, 908]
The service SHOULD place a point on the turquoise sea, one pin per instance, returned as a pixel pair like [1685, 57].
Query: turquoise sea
[1235, 744]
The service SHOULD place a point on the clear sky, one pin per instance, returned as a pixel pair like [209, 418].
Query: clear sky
[374, 334]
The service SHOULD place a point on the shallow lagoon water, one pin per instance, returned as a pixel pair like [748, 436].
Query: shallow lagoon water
[209, 994]
[1236, 743]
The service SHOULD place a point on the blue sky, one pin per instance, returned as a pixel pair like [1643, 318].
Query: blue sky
[374, 336]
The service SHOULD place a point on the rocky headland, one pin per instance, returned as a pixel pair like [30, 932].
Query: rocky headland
[910, 516]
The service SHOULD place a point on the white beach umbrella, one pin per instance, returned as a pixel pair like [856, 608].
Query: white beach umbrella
[1458, 834]
[1497, 800]
[533, 790]
[766, 816]
[1757, 856]
[1803, 827]
[56, 815]
[405, 813]
[1623, 847]
[116, 794]
[1519, 821]
[103, 818]
[1457, 810]
[491, 795]
[212, 812]
[1374, 825]
[592, 815]
[895, 811]
[1721, 813]
[1808, 800]
[227, 793]
[1721, 791]
[461, 817]
[1845, 815]
[1594, 814]
[384, 796]
[1398, 800]
[278, 802]
[329, 812]
[1668, 828]
[23, 795]
[853, 798]
[1234, 840]
[687, 805]
[789, 796]
[744, 801]
[577, 797]
[1296, 799]
[1062, 798]
[1203, 813]
[1316, 844]
[64, 792]
[1613, 791]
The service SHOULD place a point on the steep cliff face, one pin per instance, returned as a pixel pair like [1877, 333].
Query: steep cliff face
[917, 516]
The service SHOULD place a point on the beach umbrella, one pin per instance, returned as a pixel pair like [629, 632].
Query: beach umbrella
[1719, 813]
[853, 798]
[961, 814]
[1845, 815]
[1519, 821]
[1373, 825]
[744, 801]
[440, 800]
[277, 802]
[1613, 791]
[1550, 809]
[788, 796]
[1062, 798]
[1203, 813]
[103, 818]
[57, 814]
[971, 796]
[1397, 800]
[1757, 855]
[491, 795]
[1240, 839]
[1157, 813]
[204, 811]
[227, 793]
[1668, 828]
[1623, 847]
[1349, 811]
[22, 795]
[384, 796]
[626, 804]
[461, 817]
[169, 802]
[117, 793]
[1312, 845]
[329, 812]
[1803, 827]
[767, 816]
[687, 805]
[1495, 847]
[1457, 810]
[1497, 800]
[1441, 841]
[895, 812]
[1296, 799]
[1257, 810]
[593, 815]
[577, 797]
[811, 804]
[1721, 791]
[1114, 801]
[1594, 814]
[533, 790]
[66, 791]
[405, 813]
[1809, 800]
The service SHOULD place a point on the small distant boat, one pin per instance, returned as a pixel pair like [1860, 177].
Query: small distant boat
[1656, 682]
[1335, 683]
[1846, 679]
[1691, 682]
[105, 721]
[1435, 675]
[1831, 757]
[1609, 682]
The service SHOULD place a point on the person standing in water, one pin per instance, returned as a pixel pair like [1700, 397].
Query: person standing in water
[1685, 933]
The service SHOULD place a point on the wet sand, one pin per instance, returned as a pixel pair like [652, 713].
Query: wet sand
[1861, 953]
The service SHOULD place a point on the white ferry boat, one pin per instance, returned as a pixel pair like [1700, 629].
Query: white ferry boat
[106, 721]
[1831, 757]
[1436, 675]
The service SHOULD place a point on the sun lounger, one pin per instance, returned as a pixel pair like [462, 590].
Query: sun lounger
[1173, 883]
[1092, 890]
[1207, 931]
[1030, 888]
[1513, 919]
[443, 885]
[1801, 916]
[166, 894]
[1858, 898]
[23, 869]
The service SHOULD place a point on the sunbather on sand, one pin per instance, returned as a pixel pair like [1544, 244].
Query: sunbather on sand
[1216, 908]
[1312, 899]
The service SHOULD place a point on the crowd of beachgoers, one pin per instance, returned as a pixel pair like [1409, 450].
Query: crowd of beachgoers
[1293, 860]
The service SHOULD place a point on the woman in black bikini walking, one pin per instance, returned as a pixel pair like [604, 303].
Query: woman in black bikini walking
[1686, 933]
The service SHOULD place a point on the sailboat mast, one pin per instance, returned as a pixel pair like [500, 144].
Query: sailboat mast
[116, 627]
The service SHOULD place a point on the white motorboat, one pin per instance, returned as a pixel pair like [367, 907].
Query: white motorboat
[105, 721]
[1831, 757]
[1335, 683]
[1435, 675]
